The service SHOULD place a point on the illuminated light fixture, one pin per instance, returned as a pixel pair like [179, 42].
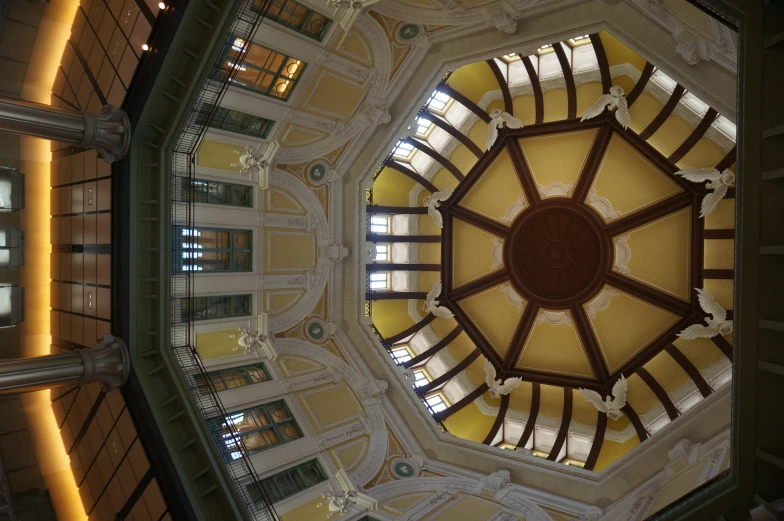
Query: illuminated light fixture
[161, 5]
[145, 47]
[238, 45]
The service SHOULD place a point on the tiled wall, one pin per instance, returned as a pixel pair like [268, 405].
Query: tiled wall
[19, 22]
[109, 464]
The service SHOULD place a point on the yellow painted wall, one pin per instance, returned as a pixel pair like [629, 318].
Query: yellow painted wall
[643, 111]
[322, 94]
[556, 105]
[403, 503]
[430, 253]
[349, 454]
[640, 396]
[475, 371]
[587, 94]
[356, 47]
[705, 153]
[722, 291]
[463, 159]
[520, 398]
[469, 423]
[468, 509]
[673, 132]
[461, 347]
[723, 217]
[426, 279]
[289, 250]
[391, 316]
[719, 254]
[220, 155]
[478, 134]
[701, 352]
[391, 188]
[612, 451]
[280, 201]
[299, 135]
[618, 53]
[276, 303]
[444, 179]
[329, 407]
[295, 365]
[473, 80]
[551, 401]
[624, 81]
[525, 108]
[667, 372]
[215, 344]
[442, 326]
[583, 411]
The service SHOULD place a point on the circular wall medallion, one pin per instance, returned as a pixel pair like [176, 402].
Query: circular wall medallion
[317, 173]
[408, 31]
[403, 469]
[556, 254]
[316, 330]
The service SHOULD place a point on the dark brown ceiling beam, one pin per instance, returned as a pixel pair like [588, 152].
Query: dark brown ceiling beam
[592, 163]
[660, 393]
[572, 382]
[536, 398]
[697, 134]
[649, 294]
[499, 420]
[598, 440]
[522, 330]
[476, 336]
[467, 103]
[396, 295]
[639, 428]
[425, 355]
[690, 369]
[639, 87]
[452, 131]
[425, 149]
[601, 58]
[697, 250]
[654, 348]
[472, 176]
[722, 344]
[465, 400]
[503, 84]
[451, 373]
[730, 194]
[651, 213]
[571, 89]
[665, 113]
[412, 175]
[590, 343]
[556, 127]
[720, 233]
[388, 266]
[537, 87]
[394, 339]
[381, 237]
[480, 221]
[718, 274]
[524, 175]
[373, 209]
[647, 150]
[728, 160]
[447, 235]
[564, 430]
[478, 285]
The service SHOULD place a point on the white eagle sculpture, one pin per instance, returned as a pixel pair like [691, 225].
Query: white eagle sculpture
[432, 305]
[433, 201]
[717, 323]
[499, 387]
[498, 118]
[252, 162]
[611, 406]
[718, 183]
[615, 100]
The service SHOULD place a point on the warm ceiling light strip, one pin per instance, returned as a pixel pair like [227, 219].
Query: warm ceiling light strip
[53, 461]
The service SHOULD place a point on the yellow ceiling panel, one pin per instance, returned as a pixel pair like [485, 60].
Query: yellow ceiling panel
[583, 411]
[470, 423]
[644, 111]
[217, 154]
[551, 401]
[478, 134]
[472, 253]
[557, 158]
[619, 424]
[391, 188]
[520, 398]
[321, 98]
[640, 396]
[624, 81]
[426, 279]
[442, 326]
[462, 158]
[719, 254]
[524, 108]
[556, 105]
[427, 226]
[445, 180]
[661, 253]
[461, 347]
[626, 325]
[496, 104]
[628, 181]
[556, 349]
[673, 132]
[391, 316]
[612, 450]
[476, 372]
[494, 315]
[618, 53]
[705, 153]
[667, 372]
[701, 352]
[723, 217]
[587, 94]
[722, 291]
[429, 253]
[473, 80]
[497, 189]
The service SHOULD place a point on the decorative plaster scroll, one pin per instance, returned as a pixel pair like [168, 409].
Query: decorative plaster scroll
[601, 205]
[554, 318]
[622, 253]
[601, 301]
[555, 190]
[512, 297]
[514, 209]
[497, 252]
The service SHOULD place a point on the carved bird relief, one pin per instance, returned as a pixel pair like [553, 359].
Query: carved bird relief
[717, 322]
[499, 387]
[432, 305]
[615, 100]
[498, 118]
[718, 183]
[611, 406]
[433, 202]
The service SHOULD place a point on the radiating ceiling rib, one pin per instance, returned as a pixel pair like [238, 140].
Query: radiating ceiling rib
[720, 233]
[690, 369]
[452, 131]
[537, 88]
[427, 150]
[465, 400]
[665, 113]
[639, 428]
[480, 221]
[499, 420]
[589, 342]
[413, 175]
[604, 66]
[503, 84]
[632, 96]
[649, 294]
[411, 330]
[479, 285]
[467, 103]
[592, 163]
[396, 295]
[451, 373]
[651, 213]
[660, 393]
[598, 440]
[728, 160]
[723, 344]
[536, 398]
[696, 134]
[410, 210]
[566, 419]
[718, 274]
[523, 172]
[425, 355]
[571, 89]
[388, 266]
[521, 333]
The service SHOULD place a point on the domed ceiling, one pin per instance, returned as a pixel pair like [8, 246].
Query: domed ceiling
[564, 253]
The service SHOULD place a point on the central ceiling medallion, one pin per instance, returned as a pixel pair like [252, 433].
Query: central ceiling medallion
[556, 254]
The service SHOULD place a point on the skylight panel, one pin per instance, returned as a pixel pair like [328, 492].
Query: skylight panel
[435, 403]
[403, 149]
[420, 379]
[664, 81]
[695, 104]
[726, 127]
[437, 101]
[423, 125]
